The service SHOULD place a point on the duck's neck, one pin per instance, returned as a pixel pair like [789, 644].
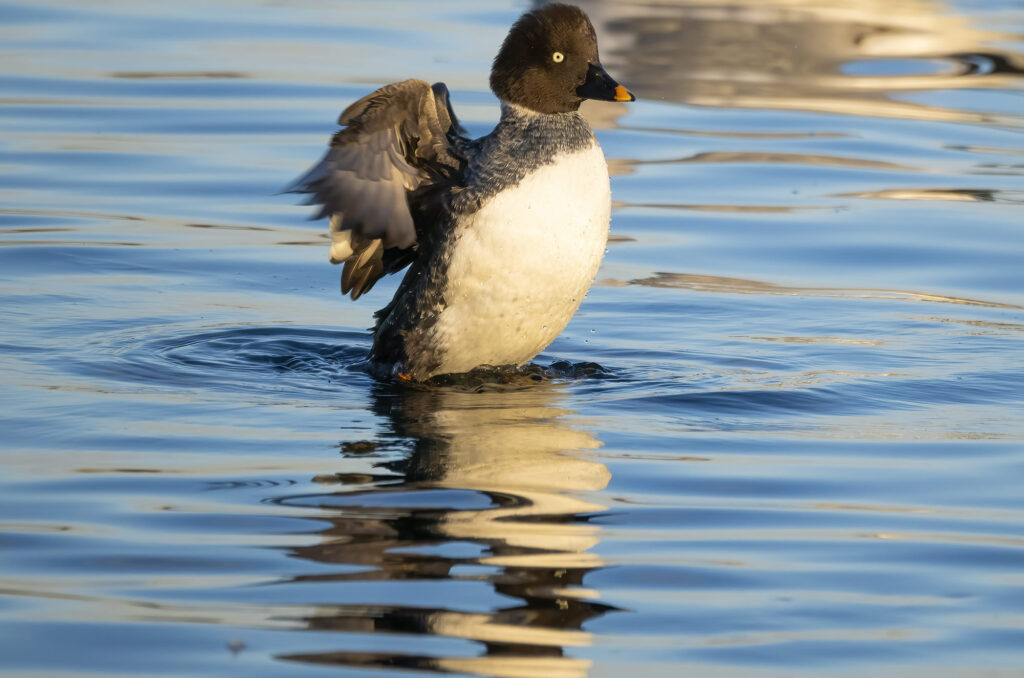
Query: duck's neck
[525, 132]
[522, 142]
[517, 113]
[528, 128]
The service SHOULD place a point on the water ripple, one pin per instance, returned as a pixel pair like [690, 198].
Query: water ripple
[230, 358]
[782, 438]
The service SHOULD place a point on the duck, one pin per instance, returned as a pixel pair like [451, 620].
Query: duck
[501, 236]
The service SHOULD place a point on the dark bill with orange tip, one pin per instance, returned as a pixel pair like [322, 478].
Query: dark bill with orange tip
[600, 86]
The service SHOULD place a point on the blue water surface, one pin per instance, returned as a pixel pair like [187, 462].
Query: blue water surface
[802, 452]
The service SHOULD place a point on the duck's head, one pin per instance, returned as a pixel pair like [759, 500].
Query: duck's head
[549, 63]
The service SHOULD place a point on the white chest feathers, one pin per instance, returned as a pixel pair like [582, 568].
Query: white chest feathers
[523, 263]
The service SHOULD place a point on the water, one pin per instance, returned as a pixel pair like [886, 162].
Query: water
[803, 456]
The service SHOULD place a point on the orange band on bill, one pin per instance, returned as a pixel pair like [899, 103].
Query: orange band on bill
[623, 94]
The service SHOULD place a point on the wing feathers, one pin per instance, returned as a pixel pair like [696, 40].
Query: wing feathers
[395, 141]
[362, 269]
[341, 241]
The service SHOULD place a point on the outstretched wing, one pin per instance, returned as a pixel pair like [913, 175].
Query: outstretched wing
[396, 144]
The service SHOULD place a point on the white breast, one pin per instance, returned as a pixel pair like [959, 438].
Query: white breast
[523, 263]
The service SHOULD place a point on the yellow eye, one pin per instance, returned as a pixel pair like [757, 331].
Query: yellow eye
[558, 57]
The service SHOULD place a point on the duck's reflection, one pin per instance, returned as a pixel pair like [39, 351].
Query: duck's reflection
[492, 498]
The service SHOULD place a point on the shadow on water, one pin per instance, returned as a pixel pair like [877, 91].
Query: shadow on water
[489, 496]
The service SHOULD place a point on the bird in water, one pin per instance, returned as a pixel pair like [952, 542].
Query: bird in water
[502, 235]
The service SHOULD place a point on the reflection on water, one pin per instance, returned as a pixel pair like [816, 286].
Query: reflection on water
[710, 283]
[828, 56]
[489, 494]
[810, 323]
[946, 194]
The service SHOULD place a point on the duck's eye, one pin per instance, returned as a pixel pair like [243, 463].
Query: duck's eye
[558, 57]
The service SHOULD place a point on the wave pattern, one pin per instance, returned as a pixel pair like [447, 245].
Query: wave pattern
[782, 436]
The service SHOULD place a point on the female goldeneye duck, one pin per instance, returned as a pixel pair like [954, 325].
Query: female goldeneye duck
[502, 235]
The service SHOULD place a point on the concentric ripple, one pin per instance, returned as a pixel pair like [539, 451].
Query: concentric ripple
[231, 358]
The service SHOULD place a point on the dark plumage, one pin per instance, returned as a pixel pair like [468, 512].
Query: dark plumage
[394, 148]
[524, 71]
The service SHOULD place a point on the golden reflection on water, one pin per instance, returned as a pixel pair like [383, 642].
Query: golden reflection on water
[514, 449]
[798, 54]
[720, 284]
[943, 194]
[771, 158]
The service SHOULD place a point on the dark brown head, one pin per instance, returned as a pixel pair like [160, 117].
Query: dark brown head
[549, 63]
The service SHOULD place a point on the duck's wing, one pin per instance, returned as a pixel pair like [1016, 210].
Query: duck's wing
[397, 144]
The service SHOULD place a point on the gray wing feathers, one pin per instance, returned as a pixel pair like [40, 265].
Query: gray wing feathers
[395, 140]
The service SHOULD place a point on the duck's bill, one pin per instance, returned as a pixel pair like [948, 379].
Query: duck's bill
[599, 85]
